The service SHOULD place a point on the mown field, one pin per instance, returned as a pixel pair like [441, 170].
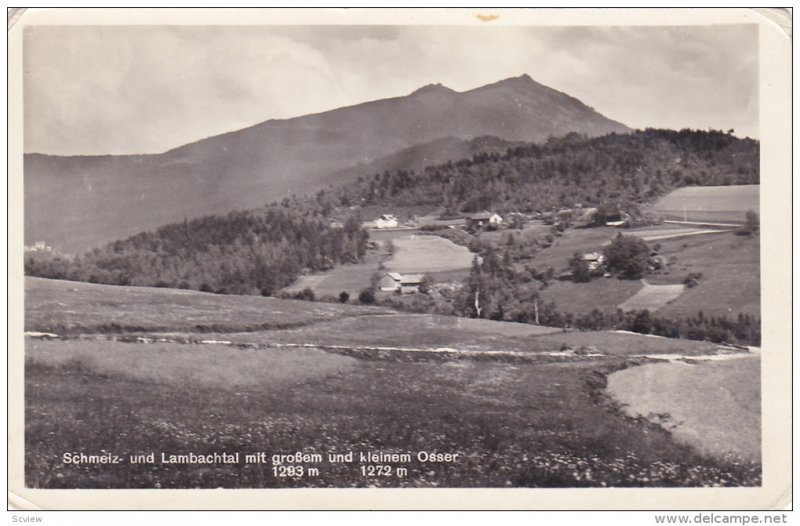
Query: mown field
[667, 392]
[68, 307]
[729, 264]
[709, 203]
[422, 254]
[438, 258]
[521, 406]
[351, 278]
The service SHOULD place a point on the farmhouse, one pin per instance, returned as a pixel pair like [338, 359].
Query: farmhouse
[386, 221]
[594, 260]
[483, 219]
[403, 283]
[390, 282]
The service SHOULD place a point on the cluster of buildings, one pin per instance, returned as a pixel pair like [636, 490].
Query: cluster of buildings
[38, 246]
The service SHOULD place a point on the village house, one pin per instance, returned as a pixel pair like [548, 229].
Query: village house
[594, 260]
[390, 282]
[483, 219]
[620, 220]
[386, 221]
[403, 283]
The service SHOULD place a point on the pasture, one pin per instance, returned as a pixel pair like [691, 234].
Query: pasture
[724, 204]
[729, 264]
[573, 240]
[600, 293]
[731, 282]
[440, 259]
[660, 234]
[350, 278]
[212, 365]
[420, 254]
[68, 307]
[676, 396]
[537, 418]
[652, 297]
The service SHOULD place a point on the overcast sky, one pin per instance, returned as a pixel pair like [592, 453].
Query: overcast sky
[114, 90]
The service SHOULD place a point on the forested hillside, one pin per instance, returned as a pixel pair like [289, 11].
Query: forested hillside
[256, 252]
[261, 251]
[618, 170]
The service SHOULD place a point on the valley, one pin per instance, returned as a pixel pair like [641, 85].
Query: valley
[519, 405]
[495, 277]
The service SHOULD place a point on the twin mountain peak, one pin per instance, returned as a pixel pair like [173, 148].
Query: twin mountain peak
[104, 198]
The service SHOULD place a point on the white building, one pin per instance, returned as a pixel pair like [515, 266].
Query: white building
[386, 221]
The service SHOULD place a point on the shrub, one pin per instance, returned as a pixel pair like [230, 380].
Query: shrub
[366, 297]
[580, 269]
[692, 279]
[344, 297]
[751, 224]
[305, 294]
[627, 255]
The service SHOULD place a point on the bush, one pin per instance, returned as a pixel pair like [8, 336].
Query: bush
[580, 269]
[366, 297]
[751, 224]
[692, 279]
[305, 294]
[628, 256]
[344, 297]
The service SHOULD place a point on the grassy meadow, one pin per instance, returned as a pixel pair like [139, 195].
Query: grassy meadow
[67, 307]
[731, 427]
[709, 203]
[729, 264]
[521, 406]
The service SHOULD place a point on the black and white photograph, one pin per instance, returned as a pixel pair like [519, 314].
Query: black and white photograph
[396, 255]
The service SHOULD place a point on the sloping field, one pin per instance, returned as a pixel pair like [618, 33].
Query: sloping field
[422, 331]
[68, 306]
[191, 366]
[652, 297]
[709, 203]
[420, 253]
[729, 264]
[530, 419]
[670, 233]
[712, 406]
[343, 278]
[600, 293]
[573, 240]
[731, 282]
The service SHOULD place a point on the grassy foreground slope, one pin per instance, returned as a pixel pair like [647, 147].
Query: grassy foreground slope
[537, 418]
[73, 307]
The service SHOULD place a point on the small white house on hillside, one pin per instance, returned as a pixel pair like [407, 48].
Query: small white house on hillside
[484, 218]
[594, 260]
[404, 283]
[386, 221]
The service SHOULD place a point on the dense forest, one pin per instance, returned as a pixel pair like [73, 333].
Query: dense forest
[615, 170]
[253, 252]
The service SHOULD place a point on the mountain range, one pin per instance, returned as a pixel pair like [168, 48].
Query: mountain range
[75, 203]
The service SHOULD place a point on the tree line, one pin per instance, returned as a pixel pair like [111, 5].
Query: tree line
[615, 171]
[251, 252]
[495, 289]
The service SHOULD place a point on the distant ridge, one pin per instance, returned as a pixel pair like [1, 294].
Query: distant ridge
[78, 202]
